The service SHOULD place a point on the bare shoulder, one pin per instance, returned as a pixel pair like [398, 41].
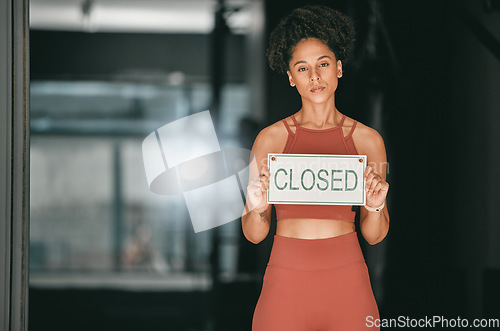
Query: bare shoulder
[367, 140]
[271, 139]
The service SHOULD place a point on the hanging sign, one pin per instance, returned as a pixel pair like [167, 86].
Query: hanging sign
[316, 179]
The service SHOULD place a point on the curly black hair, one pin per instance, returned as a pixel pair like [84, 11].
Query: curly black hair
[316, 21]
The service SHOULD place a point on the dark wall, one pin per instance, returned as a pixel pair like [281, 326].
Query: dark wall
[440, 114]
[474, 137]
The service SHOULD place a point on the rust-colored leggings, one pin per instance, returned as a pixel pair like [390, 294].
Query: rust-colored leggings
[315, 285]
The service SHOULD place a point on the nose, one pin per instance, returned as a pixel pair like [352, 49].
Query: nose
[314, 76]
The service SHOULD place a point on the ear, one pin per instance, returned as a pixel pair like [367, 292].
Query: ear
[339, 68]
[290, 79]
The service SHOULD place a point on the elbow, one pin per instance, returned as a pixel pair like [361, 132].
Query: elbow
[374, 242]
[375, 232]
[253, 234]
[254, 239]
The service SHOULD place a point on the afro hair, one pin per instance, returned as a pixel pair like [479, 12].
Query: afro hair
[333, 28]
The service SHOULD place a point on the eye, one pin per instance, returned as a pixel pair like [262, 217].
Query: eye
[325, 64]
[302, 69]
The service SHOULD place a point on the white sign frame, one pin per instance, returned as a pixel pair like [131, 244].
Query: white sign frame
[314, 195]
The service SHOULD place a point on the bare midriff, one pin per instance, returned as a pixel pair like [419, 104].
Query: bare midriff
[313, 228]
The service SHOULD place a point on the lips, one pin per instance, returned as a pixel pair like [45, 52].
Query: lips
[317, 89]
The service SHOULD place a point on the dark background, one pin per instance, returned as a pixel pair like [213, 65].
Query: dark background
[437, 69]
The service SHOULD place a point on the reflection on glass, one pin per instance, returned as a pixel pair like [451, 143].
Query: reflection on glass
[91, 208]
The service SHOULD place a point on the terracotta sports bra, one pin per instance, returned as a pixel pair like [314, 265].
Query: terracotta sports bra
[311, 141]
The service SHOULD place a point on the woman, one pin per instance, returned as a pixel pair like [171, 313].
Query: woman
[316, 278]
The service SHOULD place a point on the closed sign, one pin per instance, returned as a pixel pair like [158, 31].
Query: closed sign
[316, 179]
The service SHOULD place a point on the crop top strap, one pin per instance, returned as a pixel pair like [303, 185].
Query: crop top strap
[342, 121]
[294, 121]
[287, 127]
[352, 129]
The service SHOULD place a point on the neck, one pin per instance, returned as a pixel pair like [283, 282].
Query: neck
[319, 116]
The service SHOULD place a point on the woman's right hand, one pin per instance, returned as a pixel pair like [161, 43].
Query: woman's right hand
[257, 191]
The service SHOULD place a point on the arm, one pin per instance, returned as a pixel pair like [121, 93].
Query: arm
[374, 225]
[256, 218]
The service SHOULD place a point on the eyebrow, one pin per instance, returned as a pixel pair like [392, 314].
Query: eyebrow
[319, 58]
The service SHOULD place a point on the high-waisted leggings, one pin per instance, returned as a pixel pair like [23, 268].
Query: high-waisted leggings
[315, 285]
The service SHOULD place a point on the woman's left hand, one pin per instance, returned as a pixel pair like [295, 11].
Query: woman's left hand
[376, 188]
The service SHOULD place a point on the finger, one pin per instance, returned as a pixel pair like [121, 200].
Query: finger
[261, 182]
[368, 170]
[371, 175]
[265, 171]
[375, 181]
[382, 189]
[368, 181]
[376, 188]
[260, 178]
[264, 177]
[254, 189]
[371, 183]
[262, 185]
[254, 184]
[257, 185]
[377, 184]
[367, 185]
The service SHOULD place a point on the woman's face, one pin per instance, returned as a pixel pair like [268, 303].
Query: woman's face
[314, 71]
